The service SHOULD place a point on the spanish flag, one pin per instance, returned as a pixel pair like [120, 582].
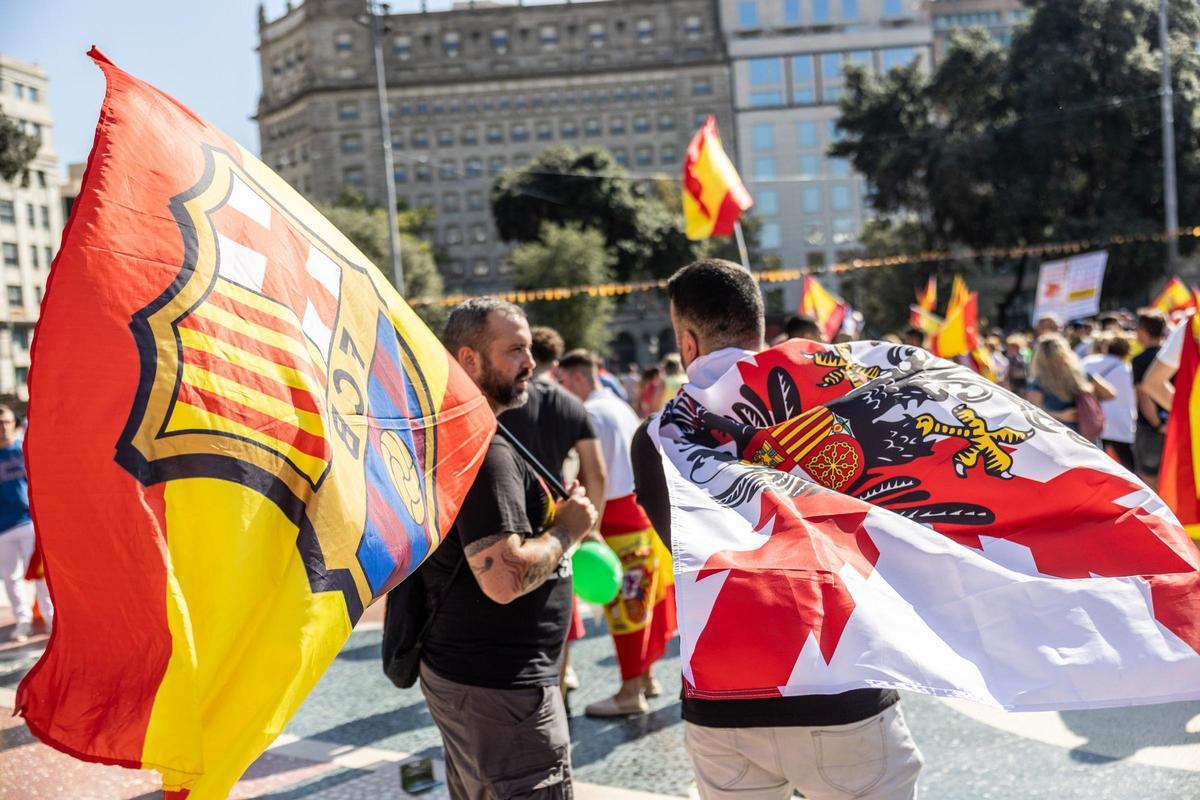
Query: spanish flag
[826, 308]
[240, 436]
[924, 320]
[927, 297]
[958, 335]
[1179, 480]
[1175, 296]
[713, 194]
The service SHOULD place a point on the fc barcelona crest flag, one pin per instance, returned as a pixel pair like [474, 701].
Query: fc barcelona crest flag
[240, 437]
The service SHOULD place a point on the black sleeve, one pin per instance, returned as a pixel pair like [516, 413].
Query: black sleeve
[650, 482]
[495, 502]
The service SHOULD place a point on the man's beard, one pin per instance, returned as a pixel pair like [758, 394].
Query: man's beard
[503, 390]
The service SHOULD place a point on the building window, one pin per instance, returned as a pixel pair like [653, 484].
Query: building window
[424, 173]
[544, 131]
[820, 10]
[644, 155]
[475, 201]
[469, 136]
[809, 164]
[500, 40]
[893, 57]
[452, 235]
[400, 174]
[806, 134]
[568, 129]
[666, 122]
[420, 138]
[667, 154]
[452, 44]
[592, 127]
[479, 234]
[474, 168]
[30, 215]
[596, 33]
[348, 110]
[402, 47]
[763, 136]
[765, 71]
[804, 82]
[701, 87]
[814, 234]
[343, 42]
[768, 236]
[354, 177]
[832, 132]
[49, 257]
[16, 296]
[33, 94]
[791, 11]
[621, 156]
[41, 179]
[849, 9]
[454, 267]
[839, 197]
[7, 215]
[448, 169]
[445, 137]
[352, 144]
[519, 132]
[480, 268]
[693, 26]
[450, 202]
[641, 123]
[425, 201]
[843, 230]
[747, 13]
[495, 165]
[838, 167]
[810, 199]
[893, 8]
[764, 168]
[645, 31]
[765, 99]
[520, 159]
[548, 35]
[495, 134]
[766, 202]
[9, 251]
[831, 77]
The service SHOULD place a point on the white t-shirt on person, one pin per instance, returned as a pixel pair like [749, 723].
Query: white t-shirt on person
[1120, 413]
[615, 423]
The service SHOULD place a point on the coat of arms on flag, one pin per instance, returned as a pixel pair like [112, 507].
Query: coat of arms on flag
[240, 436]
[891, 519]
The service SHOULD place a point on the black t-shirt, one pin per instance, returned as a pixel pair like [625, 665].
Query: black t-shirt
[805, 710]
[1139, 364]
[475, 640]
[549, 424]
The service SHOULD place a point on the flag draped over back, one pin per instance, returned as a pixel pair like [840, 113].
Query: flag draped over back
[240, 436]
[826, 308]
[713, 194]
[1179, 480]
[867, 515]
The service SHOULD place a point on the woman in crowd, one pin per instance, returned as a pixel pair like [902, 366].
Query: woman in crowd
[1058, 383]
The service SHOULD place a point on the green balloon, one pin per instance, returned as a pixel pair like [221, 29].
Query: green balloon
[597, 573]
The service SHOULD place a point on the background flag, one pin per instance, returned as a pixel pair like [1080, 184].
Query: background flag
[239, 437]
[826, 308]
[927, 298]
[1179, 480]
[868, 515]
[713, 194]
[1175, 296]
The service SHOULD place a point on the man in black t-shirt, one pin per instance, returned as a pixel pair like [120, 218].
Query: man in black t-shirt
[490, 663]
[1151, 419]
[849, 745]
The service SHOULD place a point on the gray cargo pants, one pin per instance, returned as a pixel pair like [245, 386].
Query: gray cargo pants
[501, 743]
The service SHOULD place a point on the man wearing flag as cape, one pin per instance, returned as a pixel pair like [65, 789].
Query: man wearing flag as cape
[888, 519]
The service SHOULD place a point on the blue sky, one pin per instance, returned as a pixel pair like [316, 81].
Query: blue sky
[202, 53]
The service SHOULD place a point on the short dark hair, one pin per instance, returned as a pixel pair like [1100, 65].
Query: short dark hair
[579, 359]
[719, 299]
[468, 322]
[547, 345]
[1118, 346]
[1153, 322]
[802, 326]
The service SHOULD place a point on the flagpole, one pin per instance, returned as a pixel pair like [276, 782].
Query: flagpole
[741, 243]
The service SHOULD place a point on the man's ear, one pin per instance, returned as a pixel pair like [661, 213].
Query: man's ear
[469, 359]
[689, 346]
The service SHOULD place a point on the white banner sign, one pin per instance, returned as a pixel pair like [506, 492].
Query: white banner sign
[1070, 289]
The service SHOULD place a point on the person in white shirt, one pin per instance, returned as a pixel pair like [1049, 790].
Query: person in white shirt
[642, 617]
[1120, 413]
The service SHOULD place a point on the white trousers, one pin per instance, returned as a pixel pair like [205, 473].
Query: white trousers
[874, 759]
[16, 548]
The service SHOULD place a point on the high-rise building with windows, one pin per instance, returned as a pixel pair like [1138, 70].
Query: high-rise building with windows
[997, 17]
[789, 58]
[478, 89]
[30, 222]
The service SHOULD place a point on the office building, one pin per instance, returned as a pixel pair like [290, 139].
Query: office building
[30, 222]
[997, 17]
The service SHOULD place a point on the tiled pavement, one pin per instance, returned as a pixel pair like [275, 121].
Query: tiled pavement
[349, 737]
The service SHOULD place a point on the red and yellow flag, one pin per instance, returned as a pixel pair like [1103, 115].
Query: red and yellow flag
[713, 194]
[1179, 480]
[1175, 296]
[927, 297]
[240, 436]
[826, 308]
[958, 335]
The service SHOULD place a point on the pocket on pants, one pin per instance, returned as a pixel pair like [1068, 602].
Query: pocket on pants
[715, 760]
[854, 758]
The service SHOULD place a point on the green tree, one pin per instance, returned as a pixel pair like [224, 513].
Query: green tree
[1056, 138]
[567, 255]
[589, 188]
[367, 229]
[17, 149]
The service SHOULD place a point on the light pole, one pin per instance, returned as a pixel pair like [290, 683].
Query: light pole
[374, 12]
[1170, 199]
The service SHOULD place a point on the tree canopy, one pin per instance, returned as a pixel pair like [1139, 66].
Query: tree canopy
[1056, 138]
[17, 149]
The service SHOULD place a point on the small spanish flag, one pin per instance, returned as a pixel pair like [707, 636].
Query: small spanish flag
[927, 298]
[959, 334]
[1174, 297]
[713, 193]
[826, 308]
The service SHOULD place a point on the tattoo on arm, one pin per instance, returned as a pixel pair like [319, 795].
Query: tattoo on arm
[475, 548]
[527, 574]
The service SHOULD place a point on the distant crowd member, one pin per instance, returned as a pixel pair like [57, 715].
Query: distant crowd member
[673, 376]
[642, 617]
[1156, 383]
[1152, 416]
[1059, 382]
[835, 746]
[802, 326]
[1048, 325]
[630, 379]
[913, 336]
[16, 532]
[1016, 350]
[1111, 364]
[491, 661]
[650, 392]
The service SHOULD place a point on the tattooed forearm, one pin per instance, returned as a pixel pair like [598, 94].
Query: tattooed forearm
[531, 566]
[507, 566]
